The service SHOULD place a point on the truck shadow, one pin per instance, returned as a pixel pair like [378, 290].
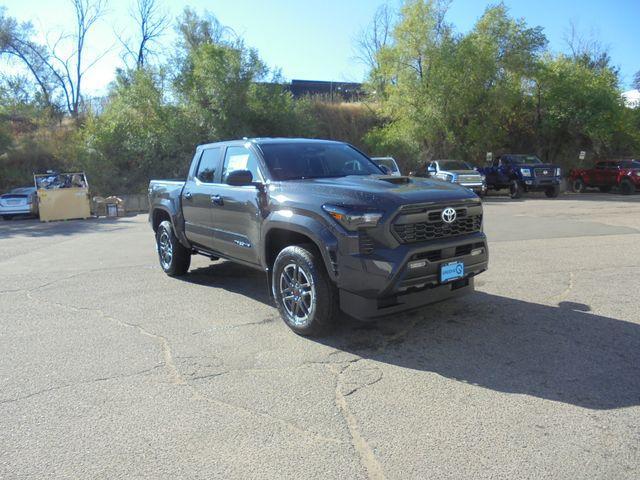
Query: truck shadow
[561, 353]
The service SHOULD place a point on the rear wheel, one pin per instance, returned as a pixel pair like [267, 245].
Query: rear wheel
[306, 297]
[578, 185]
[552, 192]
[174, 257]
[515, 190]
[627, 187]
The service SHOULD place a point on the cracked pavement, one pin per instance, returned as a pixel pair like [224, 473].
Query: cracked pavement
[110, 369]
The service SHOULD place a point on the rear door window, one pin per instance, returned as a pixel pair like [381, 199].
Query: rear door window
[209, 164]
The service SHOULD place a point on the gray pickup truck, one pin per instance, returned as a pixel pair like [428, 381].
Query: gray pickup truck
[329, 228]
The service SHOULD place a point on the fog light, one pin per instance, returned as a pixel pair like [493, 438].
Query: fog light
[419, 264]
[477, 251]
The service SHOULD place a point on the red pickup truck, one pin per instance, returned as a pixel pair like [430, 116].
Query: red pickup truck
[624, 174]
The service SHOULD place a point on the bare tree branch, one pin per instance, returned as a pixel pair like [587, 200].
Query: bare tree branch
[375, 37]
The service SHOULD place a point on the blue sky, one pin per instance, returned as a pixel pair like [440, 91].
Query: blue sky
[310, 39]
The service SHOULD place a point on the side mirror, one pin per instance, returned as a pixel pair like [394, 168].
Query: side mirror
[385, 169]
[240, 178]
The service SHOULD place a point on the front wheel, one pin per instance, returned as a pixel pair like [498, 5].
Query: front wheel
[174, 258]
[627, 187]
[552, 192]
[515, 190]
[306, 297]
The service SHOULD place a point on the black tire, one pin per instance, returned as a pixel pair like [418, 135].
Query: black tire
[627, 187]
[173, 256]
[578, 185]
[604, 189]
[552, 192]
[312, 305]
[7, 217]
[515, 190]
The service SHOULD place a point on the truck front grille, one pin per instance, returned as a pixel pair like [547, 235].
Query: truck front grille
[469, 179]
[544, 172]
[431, 230]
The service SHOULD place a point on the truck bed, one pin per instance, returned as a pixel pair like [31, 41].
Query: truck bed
[165, 192]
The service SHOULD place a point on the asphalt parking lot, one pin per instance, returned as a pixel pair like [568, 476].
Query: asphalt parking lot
[110, 369]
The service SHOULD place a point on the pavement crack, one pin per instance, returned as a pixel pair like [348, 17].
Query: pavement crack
[165, 348]
[565, 293]
[290, 425]
[75, 384]
[359, 443]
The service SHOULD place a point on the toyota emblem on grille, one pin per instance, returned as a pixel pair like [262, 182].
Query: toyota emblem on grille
[545, 172]
[449, 215]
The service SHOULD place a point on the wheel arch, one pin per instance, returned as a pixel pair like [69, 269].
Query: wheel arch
[279, 233]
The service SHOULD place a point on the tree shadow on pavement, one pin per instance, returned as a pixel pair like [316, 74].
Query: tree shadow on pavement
[32, 227]
[561, 353]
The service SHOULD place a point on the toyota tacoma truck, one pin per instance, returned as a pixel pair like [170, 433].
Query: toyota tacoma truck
[623, 174]
[329, 228]
[521, 174]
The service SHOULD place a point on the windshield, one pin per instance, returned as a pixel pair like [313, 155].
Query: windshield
[301, 160]
[454, 165]
[522, 159]
[630, 164]
[387, 162]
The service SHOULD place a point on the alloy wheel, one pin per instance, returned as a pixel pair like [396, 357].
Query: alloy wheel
[165, 249]
[297, 293]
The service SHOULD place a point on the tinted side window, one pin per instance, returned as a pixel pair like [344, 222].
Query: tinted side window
[240, 158]
[208, 165]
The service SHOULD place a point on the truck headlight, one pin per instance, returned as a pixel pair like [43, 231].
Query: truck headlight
[353, 218]
[525, 172]
[558, 172]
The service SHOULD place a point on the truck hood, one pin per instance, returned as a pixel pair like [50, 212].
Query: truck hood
[378, 191]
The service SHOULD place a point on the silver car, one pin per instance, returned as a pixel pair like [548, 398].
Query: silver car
[460, 172]
[19, 201]
[389, 163]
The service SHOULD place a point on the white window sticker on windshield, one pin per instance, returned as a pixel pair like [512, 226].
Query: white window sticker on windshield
[238, 162]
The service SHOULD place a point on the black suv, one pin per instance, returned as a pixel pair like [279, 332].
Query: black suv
[328, 226]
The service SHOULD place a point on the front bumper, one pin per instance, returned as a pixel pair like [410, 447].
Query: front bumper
[540, 184]
[383, 282]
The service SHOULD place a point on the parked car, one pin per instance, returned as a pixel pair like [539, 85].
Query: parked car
[455, 171]
[19, 201]
[624, 174]
[328, 227]
[521, 174]
[389, 163]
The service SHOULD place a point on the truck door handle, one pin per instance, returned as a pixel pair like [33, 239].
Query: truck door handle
[187, 195]
[217, 200]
